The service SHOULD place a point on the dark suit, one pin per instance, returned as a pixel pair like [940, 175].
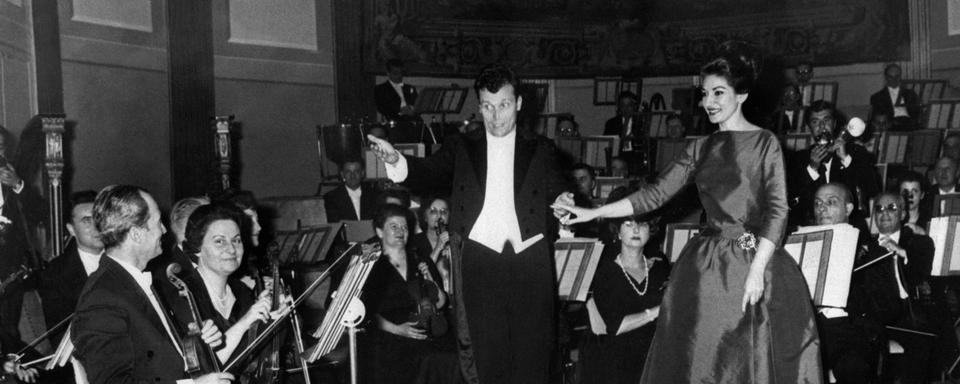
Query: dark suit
[118, 335]
[60, 286]
[615, 127]
[339, 207]
[388, 101]
[880, 103]
[508, 298]
[860, 178]
[15, 250]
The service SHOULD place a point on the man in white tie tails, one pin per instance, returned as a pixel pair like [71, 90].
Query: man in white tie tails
[120, 330]
[503, 182]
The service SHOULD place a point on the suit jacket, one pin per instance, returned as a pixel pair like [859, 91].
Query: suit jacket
[462, 163]
[60, 286]
[388, 101]
[15, 247]
[880, 103]
[614, 126]
[118, 335]
[860, 175]
[339, 207]
[879, 294]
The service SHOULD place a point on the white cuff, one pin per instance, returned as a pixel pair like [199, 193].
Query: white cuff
[397, 172]
[846, 160]
[813, 173]
[19, 187]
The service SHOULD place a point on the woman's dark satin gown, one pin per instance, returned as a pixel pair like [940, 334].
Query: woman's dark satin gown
[702, 334]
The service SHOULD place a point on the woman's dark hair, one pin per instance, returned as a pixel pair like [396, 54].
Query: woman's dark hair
[422, 212]
[200, 220]
[738, 63]
[391, 210]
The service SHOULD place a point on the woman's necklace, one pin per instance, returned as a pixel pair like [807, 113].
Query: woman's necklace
[646, 280]
[221, 301]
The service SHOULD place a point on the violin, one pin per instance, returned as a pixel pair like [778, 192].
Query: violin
[268, 368]
[198, 355]
[428, 317]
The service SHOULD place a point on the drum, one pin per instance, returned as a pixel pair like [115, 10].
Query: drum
[343, 141]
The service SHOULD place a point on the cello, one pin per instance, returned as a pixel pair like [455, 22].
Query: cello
[198, 355]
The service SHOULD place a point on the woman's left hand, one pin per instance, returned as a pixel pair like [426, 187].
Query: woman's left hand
[752, 288]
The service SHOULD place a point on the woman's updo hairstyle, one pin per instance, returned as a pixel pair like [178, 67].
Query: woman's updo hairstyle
[200, 220]
[738, 62]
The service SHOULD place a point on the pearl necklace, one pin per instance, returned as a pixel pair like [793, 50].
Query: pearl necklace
[646, 280]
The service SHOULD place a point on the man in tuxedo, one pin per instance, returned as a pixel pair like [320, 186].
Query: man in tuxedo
[395, 102]
[625, 123]
[903, 276]
[503, 181]
[893, 100]
[16, 249]
[62, 281]
[120, 330]
[851, 337]
[945, 174]
[830, 159]
[353, 200]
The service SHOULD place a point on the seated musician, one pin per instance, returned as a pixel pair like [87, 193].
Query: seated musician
[851, 338]
[627, 288]
[120, 329]
[584, 179]
[13, 371]
[353, 200]
[432, 243]
[213, 235]
[788, 117]
[404, 344]
[903, 276]
[918, 209]
[250, 229]
[179, 214]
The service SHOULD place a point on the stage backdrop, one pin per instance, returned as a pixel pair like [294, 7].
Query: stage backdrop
[584, 38]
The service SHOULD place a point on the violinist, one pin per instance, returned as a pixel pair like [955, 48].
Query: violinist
[433, 242]
[120, 330]
[213, 235]
[404, 343]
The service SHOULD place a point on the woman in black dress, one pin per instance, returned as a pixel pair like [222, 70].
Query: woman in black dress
[627, 289]
[404, 344]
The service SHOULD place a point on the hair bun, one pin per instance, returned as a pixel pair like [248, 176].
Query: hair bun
[742, 53]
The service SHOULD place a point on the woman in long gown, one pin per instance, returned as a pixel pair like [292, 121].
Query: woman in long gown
[736, 309]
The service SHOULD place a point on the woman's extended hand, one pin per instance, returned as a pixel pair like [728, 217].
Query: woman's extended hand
[582, 214]
[752, 288]
[260, 310]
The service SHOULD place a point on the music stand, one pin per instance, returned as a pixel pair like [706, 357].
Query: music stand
[358, 231]
[946, 205]
[576, 262]
[307, 245]
[441, 100]
[825, 256]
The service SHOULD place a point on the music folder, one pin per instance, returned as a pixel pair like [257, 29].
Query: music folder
[946, 242]
[825, 254]
[678, 234]
[576, 262]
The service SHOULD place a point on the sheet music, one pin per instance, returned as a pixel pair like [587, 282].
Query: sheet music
[576, 261]
[825, 254]
[946, 242]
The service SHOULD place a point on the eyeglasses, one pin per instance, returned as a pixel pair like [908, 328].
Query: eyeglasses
[892, 207]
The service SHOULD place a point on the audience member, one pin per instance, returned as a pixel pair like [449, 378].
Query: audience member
[405, 349]
[619, 167]
[120, 330]
[830, 159]
[851, 338]
[893, 100]
[918, 208]
[354, 200]
[627, 289]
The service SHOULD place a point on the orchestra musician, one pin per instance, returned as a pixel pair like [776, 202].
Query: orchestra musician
[120, 330]
[213, 235]
[407, 342]
[433, 243]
